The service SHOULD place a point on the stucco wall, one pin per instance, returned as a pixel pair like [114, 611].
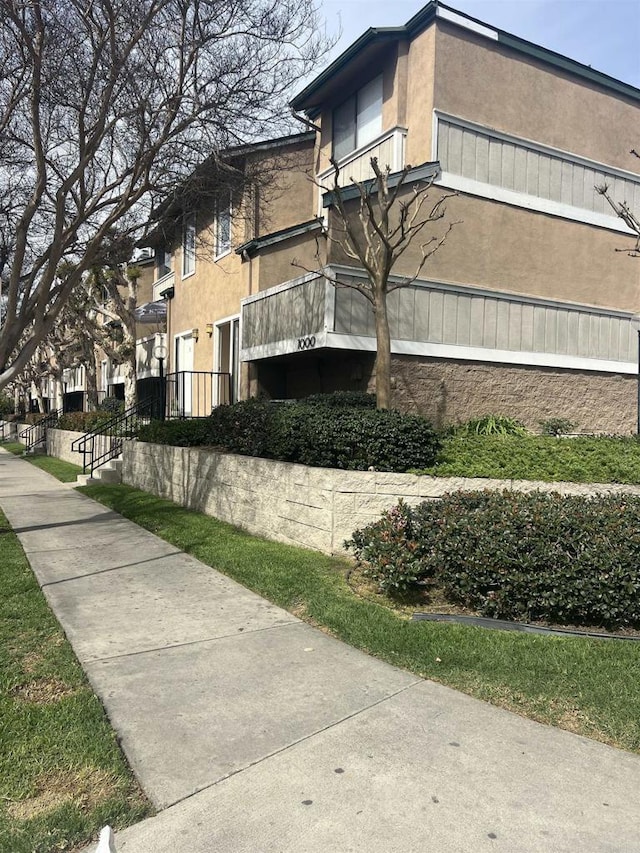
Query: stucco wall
[314, 507]
[59, 444]
[491, 84]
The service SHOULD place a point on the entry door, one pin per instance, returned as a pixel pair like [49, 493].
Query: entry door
[184, 371]
[227, 359]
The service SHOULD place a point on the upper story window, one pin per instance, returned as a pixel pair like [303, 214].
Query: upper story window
[164, 262]
[358, 120]
[189, 245]
[223, 224]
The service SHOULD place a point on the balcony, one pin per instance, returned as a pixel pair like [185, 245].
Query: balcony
[389, 149]
[163, 287]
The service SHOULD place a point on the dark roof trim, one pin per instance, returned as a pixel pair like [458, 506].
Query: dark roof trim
[277, 142]
[253, 246]
[419, 173]
[425, 17]
[374, 35]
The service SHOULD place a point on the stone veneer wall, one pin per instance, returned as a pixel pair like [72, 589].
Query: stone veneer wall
[449, 392]
[314, 507]
[20, 428]
[59, 444]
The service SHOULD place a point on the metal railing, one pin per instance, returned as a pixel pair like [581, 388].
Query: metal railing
[7, 430]
[194, 393]
[105, 442]
[36, 435]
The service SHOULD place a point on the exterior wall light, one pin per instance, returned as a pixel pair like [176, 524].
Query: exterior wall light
[195, 334]
[209, 329]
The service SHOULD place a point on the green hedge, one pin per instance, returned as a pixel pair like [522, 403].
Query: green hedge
[332, 436]
[81, 421]
[508, 555]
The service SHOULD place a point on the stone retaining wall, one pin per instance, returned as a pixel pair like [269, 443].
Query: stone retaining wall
[314, 507]
[59, 444]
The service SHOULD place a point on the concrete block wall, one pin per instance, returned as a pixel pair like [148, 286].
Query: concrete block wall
[59, 443]
[314, 507]
[20, 428]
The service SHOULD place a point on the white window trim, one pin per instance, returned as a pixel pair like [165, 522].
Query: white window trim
[524, 200]
[184, 275]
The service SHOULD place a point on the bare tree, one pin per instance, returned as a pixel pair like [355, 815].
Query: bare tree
[391, 213]
[105, 106]
[622, 209]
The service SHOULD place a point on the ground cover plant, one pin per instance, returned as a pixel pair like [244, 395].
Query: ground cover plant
[66, 472]
[587, 686]
[534, 556]
[62, 775]
[580, 459]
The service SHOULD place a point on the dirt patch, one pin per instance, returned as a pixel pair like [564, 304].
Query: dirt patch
[85, 788]
[43, 691]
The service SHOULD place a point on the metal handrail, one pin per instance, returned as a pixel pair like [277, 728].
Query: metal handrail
[105, 442]
[36, 434]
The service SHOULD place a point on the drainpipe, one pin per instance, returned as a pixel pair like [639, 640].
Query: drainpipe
[305, 121]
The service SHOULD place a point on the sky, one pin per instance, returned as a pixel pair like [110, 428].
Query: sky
[602, 33]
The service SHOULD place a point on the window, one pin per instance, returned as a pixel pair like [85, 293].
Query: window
[189, 246]
[223, 224]
[163, 262]
[358, 120]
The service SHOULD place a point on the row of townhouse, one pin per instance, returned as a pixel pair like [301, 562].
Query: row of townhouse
[527, 309]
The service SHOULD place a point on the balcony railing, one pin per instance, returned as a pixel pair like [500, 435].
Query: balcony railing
[389, 149]
[193, 393]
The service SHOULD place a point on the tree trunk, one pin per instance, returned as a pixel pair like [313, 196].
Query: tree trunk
[91, 385]
[37, 391]
[59, 398]
[383, 354]
[130, 380]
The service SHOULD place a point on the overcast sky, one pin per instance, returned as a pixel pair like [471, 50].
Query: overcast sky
[602, 33]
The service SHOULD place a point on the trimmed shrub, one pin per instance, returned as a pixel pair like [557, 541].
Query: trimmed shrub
[342, 400]
[392, 550]
[6, 405]
[353, 439]
[508, 555]
[111, 406]
[81, 421]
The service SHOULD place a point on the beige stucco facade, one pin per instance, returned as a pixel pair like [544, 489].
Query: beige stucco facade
[533, 284]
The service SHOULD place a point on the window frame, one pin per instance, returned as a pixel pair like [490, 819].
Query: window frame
[356, 128]
[188, 251]
[222, 205]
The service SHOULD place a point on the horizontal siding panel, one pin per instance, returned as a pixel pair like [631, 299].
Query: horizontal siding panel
[441, 315]
[517, 166]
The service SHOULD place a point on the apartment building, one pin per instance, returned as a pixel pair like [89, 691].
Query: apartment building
[527, 308]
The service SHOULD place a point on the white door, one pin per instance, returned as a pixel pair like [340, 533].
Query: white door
[184, 373]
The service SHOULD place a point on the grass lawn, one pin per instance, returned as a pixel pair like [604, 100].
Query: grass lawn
[62, 774]
[583, 459]
[64, 471]
[591, 687]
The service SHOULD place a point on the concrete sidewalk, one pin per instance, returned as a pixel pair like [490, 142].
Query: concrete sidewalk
[252, 731]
